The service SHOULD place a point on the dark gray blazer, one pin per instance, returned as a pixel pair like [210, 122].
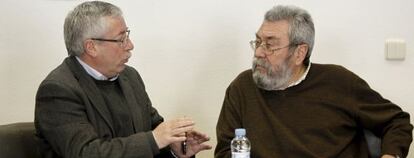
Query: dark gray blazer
[72, 120]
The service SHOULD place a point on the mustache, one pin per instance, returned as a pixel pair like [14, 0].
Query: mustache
[262, 63]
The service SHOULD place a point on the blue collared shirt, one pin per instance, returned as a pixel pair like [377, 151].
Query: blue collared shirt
[95, 73]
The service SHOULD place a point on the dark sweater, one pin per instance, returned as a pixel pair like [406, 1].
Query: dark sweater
[117, 106]
[322, 117]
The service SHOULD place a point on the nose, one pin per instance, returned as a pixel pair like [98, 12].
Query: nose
[260, 52]
[130, 45]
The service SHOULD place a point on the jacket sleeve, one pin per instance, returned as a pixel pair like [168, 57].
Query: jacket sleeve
[384, 118]
[156, 118]
[61, 118]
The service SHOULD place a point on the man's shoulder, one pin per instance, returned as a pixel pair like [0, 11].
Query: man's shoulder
[326, 67]
[332, 71]
[246, 75]
[333, 68]
[61, 72]
[129, 69]
[243, 79]
[130, 72]
[62, 75]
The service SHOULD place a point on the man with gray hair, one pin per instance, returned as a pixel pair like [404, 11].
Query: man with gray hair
[293, 108]
[94, 105]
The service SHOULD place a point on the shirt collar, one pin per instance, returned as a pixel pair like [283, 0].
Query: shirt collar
[94, 73]
[301, 78]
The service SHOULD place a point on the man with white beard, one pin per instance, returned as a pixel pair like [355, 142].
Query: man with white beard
[292, 108]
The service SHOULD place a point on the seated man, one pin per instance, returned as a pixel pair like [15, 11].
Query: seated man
[94, 105]
[293, 108]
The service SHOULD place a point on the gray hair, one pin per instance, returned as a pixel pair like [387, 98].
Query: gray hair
[86, 21]
[301, 28]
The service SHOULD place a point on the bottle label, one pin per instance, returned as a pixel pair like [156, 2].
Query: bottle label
[240, 155]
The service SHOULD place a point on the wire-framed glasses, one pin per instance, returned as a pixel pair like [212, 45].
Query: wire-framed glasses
[255, 44]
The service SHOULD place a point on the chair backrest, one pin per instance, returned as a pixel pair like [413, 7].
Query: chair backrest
[18, 140]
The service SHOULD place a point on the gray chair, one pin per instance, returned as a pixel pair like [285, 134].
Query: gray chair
[18, 140]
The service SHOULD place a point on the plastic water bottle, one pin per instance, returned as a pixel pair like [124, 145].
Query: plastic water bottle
[240, 145]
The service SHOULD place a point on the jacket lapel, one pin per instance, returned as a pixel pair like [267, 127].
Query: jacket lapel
[132, 102]
[91, 90]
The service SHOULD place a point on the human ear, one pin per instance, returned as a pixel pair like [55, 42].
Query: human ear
[301, 52]
[90, 49]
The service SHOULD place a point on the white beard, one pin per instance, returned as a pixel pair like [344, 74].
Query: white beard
[272, 79]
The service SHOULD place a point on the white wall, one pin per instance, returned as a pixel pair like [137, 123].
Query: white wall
[188, 51]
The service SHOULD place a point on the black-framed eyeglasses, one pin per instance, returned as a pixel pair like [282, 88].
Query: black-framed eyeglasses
[255, 44]
[123, 40]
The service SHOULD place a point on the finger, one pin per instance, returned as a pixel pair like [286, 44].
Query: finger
[196, 142]
[178, 139]
[196, 134]
[200, 147]
[203, 140]
[205, 146]
[199, 138]
[182, 130]
[181, 134]
[184, 123]
[173, 124]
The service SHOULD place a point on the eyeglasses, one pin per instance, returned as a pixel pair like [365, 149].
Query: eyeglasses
[123, 40]
[255, 44]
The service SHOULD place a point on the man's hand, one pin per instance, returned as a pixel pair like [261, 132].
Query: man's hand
[388, 156]
[172, 131]
[195, 144]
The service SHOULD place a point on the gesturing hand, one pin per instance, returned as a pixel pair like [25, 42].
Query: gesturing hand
[195, 144]
[172, 131]
[388, 156]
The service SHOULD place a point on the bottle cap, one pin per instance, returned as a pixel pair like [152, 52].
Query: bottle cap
[240, 132]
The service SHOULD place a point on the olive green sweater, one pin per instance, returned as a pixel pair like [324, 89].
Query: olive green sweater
[322, 117]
